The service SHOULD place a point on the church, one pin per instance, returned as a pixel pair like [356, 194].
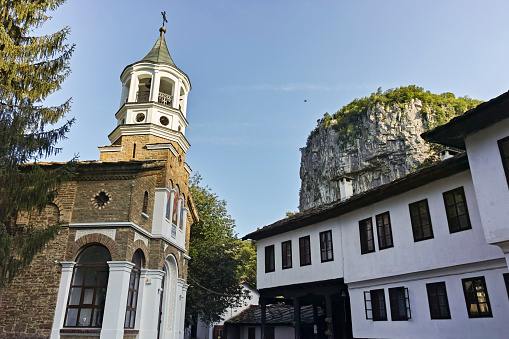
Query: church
[118, 267]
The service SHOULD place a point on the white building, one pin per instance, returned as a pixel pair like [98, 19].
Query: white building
[425, 256]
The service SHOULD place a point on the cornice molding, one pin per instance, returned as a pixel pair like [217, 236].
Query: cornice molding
[149, 104]
[163, 146]
[159, 131]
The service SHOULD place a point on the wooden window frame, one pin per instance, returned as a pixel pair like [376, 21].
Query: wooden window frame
[366, 235]
[504, 158]
[384, 231]
[305, 250]
[286, 254]
[455, 217]
[395, 294]
[133, 291]
[472, 298]
[417, 222]
[96, 309]
[438, 301]
[326, 246]
[270, 259]
[378, 311]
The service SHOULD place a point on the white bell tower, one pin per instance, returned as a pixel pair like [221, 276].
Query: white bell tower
[154, 98]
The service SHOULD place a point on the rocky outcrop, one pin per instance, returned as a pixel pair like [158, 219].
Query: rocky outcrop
[386, 147]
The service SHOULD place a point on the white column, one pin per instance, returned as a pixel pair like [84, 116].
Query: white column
[182, 288]
[116, 299]
[63, 295]
[133, 88]
[154, 91]
[176, 94]
[151, 299]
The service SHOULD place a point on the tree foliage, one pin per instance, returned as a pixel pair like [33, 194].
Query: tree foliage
[31, 68]
[247, 265]
[437, 109]
[214, 266]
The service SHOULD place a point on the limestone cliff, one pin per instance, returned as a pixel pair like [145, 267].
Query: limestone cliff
[385, 145]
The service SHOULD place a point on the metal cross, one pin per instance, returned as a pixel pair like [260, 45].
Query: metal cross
[164, 17]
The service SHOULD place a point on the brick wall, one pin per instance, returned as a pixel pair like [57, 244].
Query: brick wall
[27, 305]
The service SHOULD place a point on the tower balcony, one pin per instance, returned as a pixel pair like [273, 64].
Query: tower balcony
[162, 98]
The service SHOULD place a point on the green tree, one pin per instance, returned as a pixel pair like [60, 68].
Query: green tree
[247, 258]
[31, 68]
[213, 269]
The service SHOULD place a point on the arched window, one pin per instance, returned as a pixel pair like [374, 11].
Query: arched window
[132, 296]
[175, 206]
[145, 203]
[182, 205]
[168, 203]
[87, 295]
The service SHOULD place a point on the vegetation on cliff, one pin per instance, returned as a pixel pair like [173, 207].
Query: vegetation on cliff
[437, 109]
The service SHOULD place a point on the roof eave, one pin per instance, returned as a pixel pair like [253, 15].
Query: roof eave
[454, 132]
[314, 215]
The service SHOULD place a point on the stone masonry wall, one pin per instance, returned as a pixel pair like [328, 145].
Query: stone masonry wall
[174, 164]
[27, 305]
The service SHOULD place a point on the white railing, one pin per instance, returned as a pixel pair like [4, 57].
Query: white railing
[164, 99]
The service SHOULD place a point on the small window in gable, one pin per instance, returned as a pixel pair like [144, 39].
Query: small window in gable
[145, 203]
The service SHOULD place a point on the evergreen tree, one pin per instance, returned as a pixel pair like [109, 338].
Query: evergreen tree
[31, 68]
[213, 272]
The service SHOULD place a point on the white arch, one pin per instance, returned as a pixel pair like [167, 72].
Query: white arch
[169, 326]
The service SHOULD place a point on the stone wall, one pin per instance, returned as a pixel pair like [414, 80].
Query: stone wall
[388, 147]
[27, 305]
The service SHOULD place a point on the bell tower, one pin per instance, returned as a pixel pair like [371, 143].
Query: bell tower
[153, 107]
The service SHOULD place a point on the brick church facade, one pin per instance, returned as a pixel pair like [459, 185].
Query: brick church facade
[118, 267]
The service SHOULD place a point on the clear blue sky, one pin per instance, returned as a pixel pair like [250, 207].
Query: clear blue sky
[253, 63]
